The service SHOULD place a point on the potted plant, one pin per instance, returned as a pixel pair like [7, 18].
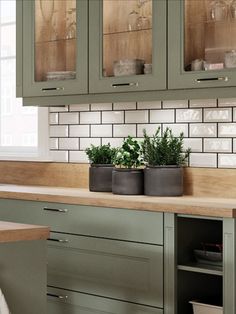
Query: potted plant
[101, 166]
[164, 158]
[127, 177]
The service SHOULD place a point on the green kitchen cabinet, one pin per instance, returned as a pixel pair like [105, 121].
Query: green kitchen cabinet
[55, 47]
[121, 30]
[201, 45]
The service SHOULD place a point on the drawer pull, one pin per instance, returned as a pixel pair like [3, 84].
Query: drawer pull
[48, 89]
[58, 240]
[124, 84]
[221, 78]
[56, 210]
[61, 297]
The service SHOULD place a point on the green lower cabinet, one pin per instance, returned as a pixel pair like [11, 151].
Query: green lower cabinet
[62, 301]
[115, 269]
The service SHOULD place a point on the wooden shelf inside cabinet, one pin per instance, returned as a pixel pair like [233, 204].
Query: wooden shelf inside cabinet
[55, 41]
[128, 31]
[202, 268]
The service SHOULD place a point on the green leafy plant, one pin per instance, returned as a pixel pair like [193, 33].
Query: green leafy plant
[128, 156]
[163, 151]
[103, 154]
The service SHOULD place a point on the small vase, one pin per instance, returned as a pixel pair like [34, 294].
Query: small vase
[100, 178]
[127, 181]
[163, 181]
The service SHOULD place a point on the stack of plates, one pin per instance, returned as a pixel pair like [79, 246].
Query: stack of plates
[60, 75]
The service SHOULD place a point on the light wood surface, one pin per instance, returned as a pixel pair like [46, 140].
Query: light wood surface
[204, 206]
[12, 232]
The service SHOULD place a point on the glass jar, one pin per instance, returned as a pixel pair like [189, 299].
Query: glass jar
[218, 10]
[233, 9]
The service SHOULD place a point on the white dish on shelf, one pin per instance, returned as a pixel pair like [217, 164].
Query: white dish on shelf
[202, 308]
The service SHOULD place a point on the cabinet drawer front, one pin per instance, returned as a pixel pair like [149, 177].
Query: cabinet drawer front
[123, 224]
[63, 302]
[116, 269]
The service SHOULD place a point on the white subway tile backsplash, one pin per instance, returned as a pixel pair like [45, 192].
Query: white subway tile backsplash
[162, 116]
[212, 145]
[69, 118]
[234, 114]
[201, 103]
[227, 102]
[58, 131]
[234, 145]
[101, 130]
[68, 143]
[195, 144]
[124, 106]
[149, 105]
[227, 129]
[53, 118]
[79, 130]
[114, 142]
[59, 155]
[123, 130]
[136, 116]
[175, 103]
[78, 156]
[97, 107]
[90, 117]
[203, 130]
[113, 116]
[227, 160]
[87, 142]
[189, 115]
[203, 160]
[53, 143]
[150, 129]
[80, 107]
[177, 129]
[59, 109]
[218, 115]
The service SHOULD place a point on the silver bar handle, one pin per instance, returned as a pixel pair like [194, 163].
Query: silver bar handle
[124, 84]
[59, 210]
[61, 297]
[207, 79]
[48, 89]
[58, 240]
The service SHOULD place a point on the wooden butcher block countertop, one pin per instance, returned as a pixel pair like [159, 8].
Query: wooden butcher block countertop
[12, 232]
[190, 205]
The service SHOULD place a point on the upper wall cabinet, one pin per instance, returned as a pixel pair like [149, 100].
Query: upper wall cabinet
[55, 47]
[202, 44]
[127, 48]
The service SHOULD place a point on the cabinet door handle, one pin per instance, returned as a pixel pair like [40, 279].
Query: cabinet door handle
[58, 240]
[51, 89]
[221, 78]
[59, 210]
[124, 84]
[61, 297]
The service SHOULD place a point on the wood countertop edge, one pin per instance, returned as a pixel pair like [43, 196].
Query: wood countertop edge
[103, 201]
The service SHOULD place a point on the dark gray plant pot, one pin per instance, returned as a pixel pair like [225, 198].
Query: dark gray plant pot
[100, 178]
[127, 181]
[163, 181]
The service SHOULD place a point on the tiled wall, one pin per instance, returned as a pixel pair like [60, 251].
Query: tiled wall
[209, 128]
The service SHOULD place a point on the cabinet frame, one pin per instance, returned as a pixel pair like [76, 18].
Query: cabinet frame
[66, 87]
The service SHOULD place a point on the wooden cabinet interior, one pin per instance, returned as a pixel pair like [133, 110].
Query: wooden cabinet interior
[55, 45]
[127, 32]
[205, 37]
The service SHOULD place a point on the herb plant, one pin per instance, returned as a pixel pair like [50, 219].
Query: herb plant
[164, 151]
[128, 156]
[103, 154]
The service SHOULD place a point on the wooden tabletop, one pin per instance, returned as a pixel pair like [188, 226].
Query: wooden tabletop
[213, 207]
[12, 232]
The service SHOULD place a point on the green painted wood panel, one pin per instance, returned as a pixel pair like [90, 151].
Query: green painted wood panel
[156, 81]
[116, 269]
[23, 276]
[79, 303]
[19, 48]
[130, 225]
[67, 87]
[177, 77]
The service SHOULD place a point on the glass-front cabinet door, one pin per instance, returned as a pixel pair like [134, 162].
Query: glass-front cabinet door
[127, 43]
[202, 43]
[55, 47]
